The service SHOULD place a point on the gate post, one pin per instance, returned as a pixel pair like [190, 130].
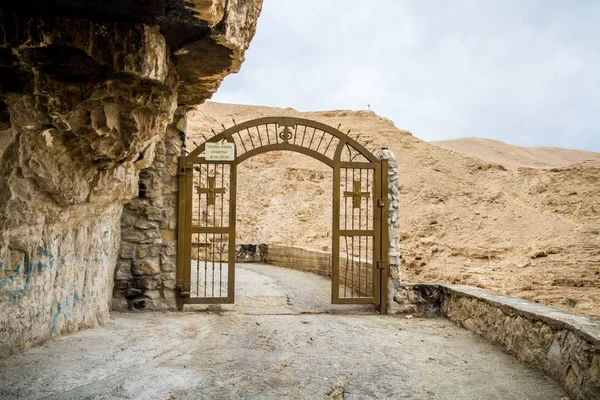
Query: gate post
[393, 234]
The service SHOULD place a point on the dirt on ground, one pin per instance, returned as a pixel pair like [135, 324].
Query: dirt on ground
[281, 340]
[519, 221]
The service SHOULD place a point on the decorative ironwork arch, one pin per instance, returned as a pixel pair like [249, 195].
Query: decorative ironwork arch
[207, 209]
[315, 139]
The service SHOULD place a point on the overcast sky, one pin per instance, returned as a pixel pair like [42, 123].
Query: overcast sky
[525, 72]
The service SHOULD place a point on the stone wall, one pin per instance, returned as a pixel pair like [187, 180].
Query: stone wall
[315, 261]
[299, 258]
[564, 345]
[393, 256]
[250, 253]
[145, 270]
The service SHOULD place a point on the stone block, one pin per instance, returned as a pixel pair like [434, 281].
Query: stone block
[153, 235]
[170, 283]
[169, 234]
[134, 236]
[168, 249]
[152, 294]
[170, 187]
[127, 220]
[170, 297]
[136, 204]
[127, 250]
[133, 292]
[157, 240]
[146, 282]
[172, 169]
[168, 263]
[169, 275]
[141, 224]
[174, 148]
[142, 251]
[145, 267]
[123, 271]
[153, 210]
[154, 251]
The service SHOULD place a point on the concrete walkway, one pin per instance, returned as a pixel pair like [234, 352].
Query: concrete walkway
[281, 340]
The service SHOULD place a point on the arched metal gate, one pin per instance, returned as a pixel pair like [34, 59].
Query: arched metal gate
[207, 212]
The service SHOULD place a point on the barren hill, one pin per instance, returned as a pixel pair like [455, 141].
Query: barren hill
[529, 232]
[511, 156]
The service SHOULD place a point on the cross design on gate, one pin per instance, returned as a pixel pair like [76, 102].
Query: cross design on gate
[356, 195]
[210, 191]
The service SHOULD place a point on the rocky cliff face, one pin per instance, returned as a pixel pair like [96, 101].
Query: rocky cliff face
[87, 90]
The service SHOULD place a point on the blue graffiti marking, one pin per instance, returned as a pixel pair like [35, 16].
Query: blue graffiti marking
[43, 266]
[43, 252]
[13, 294]
[55, 317]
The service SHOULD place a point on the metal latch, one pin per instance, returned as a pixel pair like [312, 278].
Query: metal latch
[381, 264]
[380, 202]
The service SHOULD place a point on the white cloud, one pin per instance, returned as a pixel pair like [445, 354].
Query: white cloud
[525, 72]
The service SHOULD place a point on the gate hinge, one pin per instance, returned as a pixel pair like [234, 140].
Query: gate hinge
[381, 264]
[182, 168]
[380, 202]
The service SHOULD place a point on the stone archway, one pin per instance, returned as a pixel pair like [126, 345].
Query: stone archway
[207, 209]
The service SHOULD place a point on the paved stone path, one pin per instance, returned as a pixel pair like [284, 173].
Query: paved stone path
[281, 340]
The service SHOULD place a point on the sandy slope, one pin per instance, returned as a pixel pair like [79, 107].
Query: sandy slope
[496, 152]
[467, 220]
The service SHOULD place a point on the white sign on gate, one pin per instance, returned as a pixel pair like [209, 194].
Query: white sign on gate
[219, 151]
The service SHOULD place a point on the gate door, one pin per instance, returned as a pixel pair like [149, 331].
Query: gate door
[356, 251]
[207, 194]
[209, 218]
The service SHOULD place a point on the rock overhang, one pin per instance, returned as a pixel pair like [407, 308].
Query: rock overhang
[205, 40]
[89, 96]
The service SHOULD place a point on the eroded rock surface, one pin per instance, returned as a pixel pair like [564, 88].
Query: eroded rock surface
[87, 91]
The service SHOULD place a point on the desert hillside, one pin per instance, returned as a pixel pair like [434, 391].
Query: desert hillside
[523, 222]
[511, 156]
